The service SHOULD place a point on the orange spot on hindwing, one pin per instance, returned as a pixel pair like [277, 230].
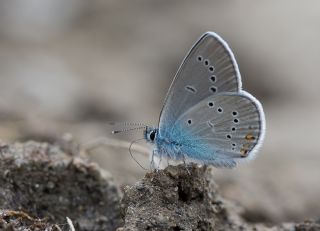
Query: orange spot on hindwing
[250, 137]
[243, 152]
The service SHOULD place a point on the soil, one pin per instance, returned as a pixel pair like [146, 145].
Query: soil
[42, 184]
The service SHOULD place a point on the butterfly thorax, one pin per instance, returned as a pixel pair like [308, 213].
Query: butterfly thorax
[165, 146]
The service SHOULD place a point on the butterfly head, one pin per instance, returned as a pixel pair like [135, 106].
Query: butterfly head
[150, 134]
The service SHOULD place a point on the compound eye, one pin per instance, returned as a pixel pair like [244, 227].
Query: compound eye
[152, 135]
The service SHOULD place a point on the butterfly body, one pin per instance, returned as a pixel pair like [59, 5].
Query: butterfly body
[207, 118]
[177, 144]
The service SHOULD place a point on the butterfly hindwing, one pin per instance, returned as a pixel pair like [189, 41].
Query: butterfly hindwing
[209, 68]
[225, 128]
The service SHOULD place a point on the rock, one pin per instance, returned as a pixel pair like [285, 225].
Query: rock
[50, 184]
[180, 198]
[308, 225]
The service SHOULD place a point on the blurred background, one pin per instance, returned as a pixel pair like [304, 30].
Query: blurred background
[72, 65]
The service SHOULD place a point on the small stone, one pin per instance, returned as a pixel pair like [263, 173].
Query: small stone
[50, 185]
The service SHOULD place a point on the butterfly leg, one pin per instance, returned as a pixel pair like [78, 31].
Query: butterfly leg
[186, 165]
[168, 161]
[152, 163]
[159, 164]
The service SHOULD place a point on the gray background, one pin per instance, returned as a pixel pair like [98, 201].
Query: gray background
[71, 66]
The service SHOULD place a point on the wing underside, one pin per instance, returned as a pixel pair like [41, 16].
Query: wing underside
[225, 128]
[209, 68]
[207, 112]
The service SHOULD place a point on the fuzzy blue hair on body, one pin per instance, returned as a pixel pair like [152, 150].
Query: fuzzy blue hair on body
[180, 145]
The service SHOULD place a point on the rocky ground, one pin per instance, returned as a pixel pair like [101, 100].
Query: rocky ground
[42, 184]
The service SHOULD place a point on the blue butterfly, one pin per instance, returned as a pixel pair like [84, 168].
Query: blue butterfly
[207, 118]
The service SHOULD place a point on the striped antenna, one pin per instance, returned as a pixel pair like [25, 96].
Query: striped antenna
[127, 130]
[126, 124]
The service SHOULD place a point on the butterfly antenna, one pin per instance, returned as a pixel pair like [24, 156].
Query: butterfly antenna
[127, 129]
[126, 124]
[132, 154]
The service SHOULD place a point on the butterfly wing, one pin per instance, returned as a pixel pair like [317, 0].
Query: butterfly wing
[221, 129]
[209, 68]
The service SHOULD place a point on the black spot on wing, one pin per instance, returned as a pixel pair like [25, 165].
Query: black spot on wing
[191, 89]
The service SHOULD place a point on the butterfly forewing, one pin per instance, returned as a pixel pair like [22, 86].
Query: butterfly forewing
[209, 68]
[229, 125]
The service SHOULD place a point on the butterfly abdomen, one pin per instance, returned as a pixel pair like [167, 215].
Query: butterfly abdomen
[165, 148]
[180, 148]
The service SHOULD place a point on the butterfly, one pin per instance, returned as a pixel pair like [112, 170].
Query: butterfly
[207, 118]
